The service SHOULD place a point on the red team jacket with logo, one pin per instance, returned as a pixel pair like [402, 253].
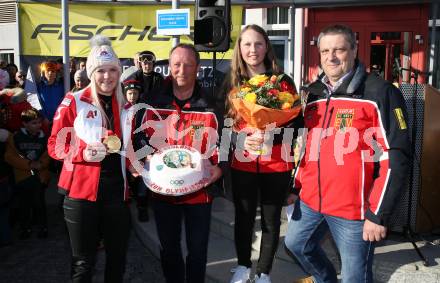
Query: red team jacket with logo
[339, 174]
[195, 125]
[76, 123]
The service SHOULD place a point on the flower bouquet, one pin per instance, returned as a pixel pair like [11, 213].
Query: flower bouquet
[263, 100]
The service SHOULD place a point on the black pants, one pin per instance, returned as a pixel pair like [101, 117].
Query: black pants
[247, 188]
[85, 220]
[169, 218]
[32, 202]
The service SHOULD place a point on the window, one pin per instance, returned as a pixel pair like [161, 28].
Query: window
[277, 15]
[8, 57]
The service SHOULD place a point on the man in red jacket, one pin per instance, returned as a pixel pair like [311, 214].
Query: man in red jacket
[355, 162]
[182, 97]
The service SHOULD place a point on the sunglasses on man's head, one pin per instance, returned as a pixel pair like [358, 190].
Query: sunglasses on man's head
[147, 58]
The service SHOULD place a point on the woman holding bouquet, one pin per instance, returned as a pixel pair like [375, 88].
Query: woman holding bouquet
[257, 172]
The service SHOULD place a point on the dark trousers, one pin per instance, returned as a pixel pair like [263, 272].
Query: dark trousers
[85, 220]
[271, 190]
[32, 202]
[197, 219]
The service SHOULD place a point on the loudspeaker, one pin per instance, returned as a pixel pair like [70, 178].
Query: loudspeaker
[212, 25]
[421, 206]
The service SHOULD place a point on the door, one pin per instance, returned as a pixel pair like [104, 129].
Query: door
[280, 47]
[390, 55]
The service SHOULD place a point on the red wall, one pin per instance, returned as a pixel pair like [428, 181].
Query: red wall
[364, 20]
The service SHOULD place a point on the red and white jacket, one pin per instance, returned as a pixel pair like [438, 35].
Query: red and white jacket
[77, 122]
[357, 148]
[183, 127]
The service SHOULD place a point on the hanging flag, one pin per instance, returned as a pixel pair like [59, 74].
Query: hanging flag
[30, 88]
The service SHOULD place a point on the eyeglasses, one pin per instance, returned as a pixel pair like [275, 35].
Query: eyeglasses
[20, 76]
[147, 58]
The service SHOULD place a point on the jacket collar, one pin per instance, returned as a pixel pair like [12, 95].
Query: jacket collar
[348, 87]
[167, 97]
[86, 95]
[40, 133]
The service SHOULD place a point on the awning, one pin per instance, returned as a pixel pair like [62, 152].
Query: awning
[340, 3]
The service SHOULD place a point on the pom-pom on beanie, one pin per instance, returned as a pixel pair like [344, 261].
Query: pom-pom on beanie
[101, 54]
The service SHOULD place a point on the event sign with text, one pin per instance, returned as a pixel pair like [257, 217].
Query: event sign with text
[131, 28]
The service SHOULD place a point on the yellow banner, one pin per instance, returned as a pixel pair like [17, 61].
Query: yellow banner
[131, 28]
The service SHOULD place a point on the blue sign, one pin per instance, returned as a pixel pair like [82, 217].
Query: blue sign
[172, 22]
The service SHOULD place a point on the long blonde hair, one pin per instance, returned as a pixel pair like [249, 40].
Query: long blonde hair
[238, 70]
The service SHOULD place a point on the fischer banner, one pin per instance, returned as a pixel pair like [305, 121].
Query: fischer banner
[131, 28]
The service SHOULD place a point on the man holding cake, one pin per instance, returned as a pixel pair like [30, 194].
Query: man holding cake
[183, 120]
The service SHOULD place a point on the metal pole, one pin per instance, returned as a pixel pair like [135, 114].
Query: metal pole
[214, 67]
[292, 41]
[20, 49]
[175, 4]
[432, 61]
[66, 54]
[298, 58]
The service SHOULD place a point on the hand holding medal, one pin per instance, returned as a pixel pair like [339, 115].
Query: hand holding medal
[112, 142]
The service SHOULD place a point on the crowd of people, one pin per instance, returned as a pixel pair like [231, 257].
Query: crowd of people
[79, 135]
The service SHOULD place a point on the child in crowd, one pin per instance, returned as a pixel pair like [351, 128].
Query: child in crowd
[132, 91]
[26, 152]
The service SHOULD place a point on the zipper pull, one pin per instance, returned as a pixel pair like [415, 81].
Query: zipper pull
[329, 120]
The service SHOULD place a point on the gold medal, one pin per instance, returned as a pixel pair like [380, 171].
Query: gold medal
[113, 143]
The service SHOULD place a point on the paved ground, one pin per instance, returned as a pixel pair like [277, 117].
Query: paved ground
[48, 260]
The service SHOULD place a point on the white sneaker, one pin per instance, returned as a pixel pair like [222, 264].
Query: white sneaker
[241, 274]
[263, 278]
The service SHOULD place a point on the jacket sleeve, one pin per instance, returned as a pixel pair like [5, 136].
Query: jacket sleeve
[63, 144]
[45, 160]
[13, 157]
[393, 164]
[217, 123]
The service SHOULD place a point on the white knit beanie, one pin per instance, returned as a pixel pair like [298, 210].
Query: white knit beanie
[80, 75]
[101, 54]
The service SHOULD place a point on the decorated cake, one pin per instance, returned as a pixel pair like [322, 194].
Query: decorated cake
[176, 170]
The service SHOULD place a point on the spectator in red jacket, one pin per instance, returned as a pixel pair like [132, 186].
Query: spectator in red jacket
[12, 103]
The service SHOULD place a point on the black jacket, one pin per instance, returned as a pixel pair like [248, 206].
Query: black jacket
[151, 84]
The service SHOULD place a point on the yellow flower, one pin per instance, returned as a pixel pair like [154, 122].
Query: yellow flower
[258, 80]
[286, 105]
[285, 96]
[251, 97]
[245, 89]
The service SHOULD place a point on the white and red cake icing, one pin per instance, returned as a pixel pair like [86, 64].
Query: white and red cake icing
[176, 170]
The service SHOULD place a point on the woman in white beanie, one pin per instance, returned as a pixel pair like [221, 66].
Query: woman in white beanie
[86, 135]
